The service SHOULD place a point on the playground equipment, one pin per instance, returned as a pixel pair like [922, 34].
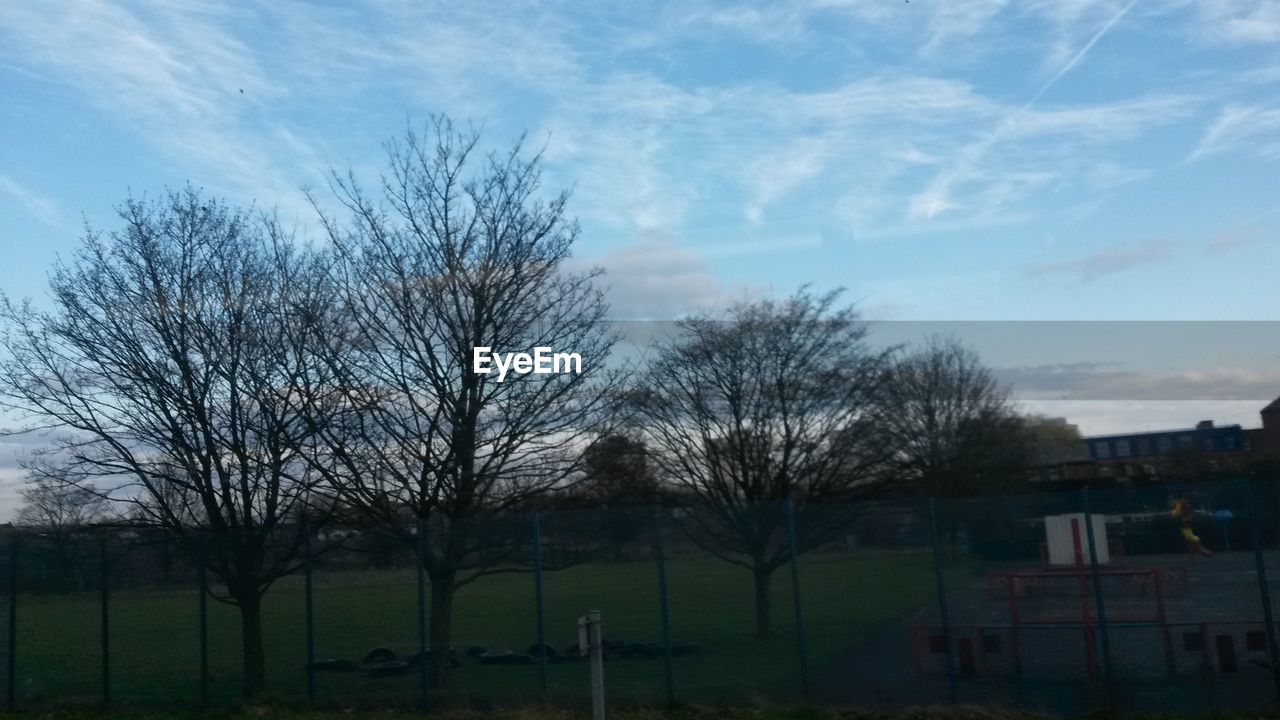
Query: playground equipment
[1060, 596]
[1068, 543]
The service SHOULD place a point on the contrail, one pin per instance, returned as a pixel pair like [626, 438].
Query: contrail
[969, 156]
[1075, 59]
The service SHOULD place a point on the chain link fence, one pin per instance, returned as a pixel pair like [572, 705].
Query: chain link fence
[1154, 598]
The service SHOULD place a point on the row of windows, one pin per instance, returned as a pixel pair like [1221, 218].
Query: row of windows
[1114, 470]
[1163, 445]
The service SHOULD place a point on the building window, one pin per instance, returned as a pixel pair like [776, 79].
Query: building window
[1102, 449]
[1191, 641]
[1228, 443]
[1164, 445]
[1186, 442]
[1144, 446]
[1105, 470]
[1208, 443]
[1122, 448]
[1255, 641]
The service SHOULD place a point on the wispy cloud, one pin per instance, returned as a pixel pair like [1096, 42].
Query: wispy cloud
[177, 75]
[937, 196]
[1108, 261]
[723, 125]
[774, 174]
[959, 18]
[1237, 125]
[1241, 21]
[41, 207]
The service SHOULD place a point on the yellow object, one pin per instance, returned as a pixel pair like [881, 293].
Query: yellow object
[1190, 535]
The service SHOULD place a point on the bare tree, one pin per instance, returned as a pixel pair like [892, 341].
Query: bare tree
[461, 251]
[778, 401]
[53, 502]
[617, 472]
[953, 428]
[61, 510]
[172, 353]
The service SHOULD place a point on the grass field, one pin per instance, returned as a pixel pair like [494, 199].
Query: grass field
[688, 712]
[154, 635]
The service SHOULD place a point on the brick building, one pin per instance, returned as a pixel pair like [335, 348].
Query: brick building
[1203, 451]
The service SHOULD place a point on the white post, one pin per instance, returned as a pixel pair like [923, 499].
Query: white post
[591, 641]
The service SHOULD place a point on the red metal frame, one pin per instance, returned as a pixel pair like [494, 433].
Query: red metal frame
[918, 633]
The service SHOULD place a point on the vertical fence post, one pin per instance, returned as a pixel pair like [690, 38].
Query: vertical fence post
[11, 680]
[1263, 588]
[952, 683]
[106, 622]
[660, 551]
[537, 603]
[419, 561]
[203, 582]
[1104, 634]
[795, 595]
[310, 610]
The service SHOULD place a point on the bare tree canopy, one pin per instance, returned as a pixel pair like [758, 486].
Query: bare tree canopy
[459, 250]
[616, 472]
[54, 502]
[778, 401]
[173, 356]
[954, 429]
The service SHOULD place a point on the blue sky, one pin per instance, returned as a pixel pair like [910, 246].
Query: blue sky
[968, 159]
[957, 160]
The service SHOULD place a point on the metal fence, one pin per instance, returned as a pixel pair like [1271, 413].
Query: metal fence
[1055, 601]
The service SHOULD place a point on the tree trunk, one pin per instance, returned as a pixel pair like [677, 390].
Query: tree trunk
[441, 629]
[764, 607]
[255, 670]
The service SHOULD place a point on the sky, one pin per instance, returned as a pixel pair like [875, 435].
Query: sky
[993, 161]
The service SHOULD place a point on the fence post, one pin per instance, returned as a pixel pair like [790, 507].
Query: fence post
[952, 683]
[310, 610]
[1104, 634]
[795, 595]
[419, 557]
[203, 581]
[106, 622]
[1263, 588]
[660, 551]
[537, 603]
[11, 680]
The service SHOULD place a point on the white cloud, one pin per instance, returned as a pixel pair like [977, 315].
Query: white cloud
[656, 279]
[1241, 21]
[891, 147]
[1104, 417]
[774, 174]
[178, 75]
[960, 18]
[770, 24]
[1075, 127]
[1107, 175]
[1240, 124]
[37, 204]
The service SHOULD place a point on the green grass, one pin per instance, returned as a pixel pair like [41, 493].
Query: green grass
[691, 712]
[154, 635]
